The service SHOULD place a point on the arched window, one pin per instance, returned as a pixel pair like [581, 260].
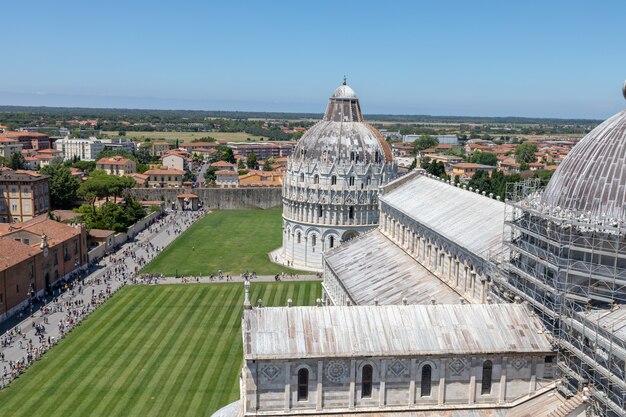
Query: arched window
[351, 181]
[377, 157]
[366, 381]
[316, 179]
[369, 181]
[486, 383]
[331, 242]
[351, 212]
[299, 236]
[303, 384]
[426, 381]
[302, 177]
[320, 211]
[333, 180]
[313, 240]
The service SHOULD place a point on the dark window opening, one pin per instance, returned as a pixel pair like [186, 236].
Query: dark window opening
[486, 382]
[333, 180]
[303, 384]
[426, 381]
[351, 213]
[332, 241]
[366, 381]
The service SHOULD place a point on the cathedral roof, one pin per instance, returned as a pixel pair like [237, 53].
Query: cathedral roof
[343, 135]
[391, 331]
[466, 219]
[371, 267]
[591, 180]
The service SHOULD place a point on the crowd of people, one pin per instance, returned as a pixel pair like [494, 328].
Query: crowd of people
[76, 297]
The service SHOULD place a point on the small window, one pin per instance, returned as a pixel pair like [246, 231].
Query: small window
[549, 359]
[17, 289]
[351, 181]
[351, 212]
[366, 381]
[486, 381]
[320, 211]
[331, 241]
[299, 236]
[303, 384]
[316, 179]
[333, 180]
[426, 381]
[302, 177]
[313, 240]
[369, 181]
[352, 156]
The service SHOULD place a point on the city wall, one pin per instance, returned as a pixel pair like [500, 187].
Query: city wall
[216, 198]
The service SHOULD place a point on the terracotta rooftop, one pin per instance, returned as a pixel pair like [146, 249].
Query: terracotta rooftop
[20, 175]
[13, 252]
[114, 160]
[41, 225]
[100, 233]
[226, 172]
[222, 164]
[186, 195]
[164, 171]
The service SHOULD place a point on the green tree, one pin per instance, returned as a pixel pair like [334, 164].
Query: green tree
[63, 186]
[425, 142]
[17, 161]
[484, 158]
[229, 156]
[269, 164]
[251, 161]
[525, 152]
[209, 175]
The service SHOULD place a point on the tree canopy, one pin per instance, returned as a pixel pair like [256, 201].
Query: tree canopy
[63, 186]
[425, 142]
[484, 158]
[525, 152]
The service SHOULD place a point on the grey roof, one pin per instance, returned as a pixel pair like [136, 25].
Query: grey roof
[592, 177]
[372, 267]
[468, 219]
[614, 321]
[398, 330]
[343, 131]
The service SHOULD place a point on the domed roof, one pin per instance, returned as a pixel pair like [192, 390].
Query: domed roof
[343, 135]
[592, 177]
[343, 91]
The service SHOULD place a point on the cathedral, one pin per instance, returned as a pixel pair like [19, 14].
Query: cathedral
[330, 189]
[459, 304]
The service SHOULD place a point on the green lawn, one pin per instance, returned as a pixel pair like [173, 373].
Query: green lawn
[167, 350]
[233, 241]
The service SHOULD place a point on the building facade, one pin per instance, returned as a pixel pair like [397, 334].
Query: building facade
[117, 165]
[23, 195]
[330, 188]
[83, 149]
[164, 178]
[9, 146]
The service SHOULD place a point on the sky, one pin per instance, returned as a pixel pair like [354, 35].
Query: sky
[469, 58]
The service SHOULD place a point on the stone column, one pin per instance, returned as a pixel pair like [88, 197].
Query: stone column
[442, 382]
[287, 387]
[472, 384]
[449, 267]
[483, 281]
[320, 370]
[352, 384]
[383, 379]
[412, 382]
[502, 393]
[532, 386]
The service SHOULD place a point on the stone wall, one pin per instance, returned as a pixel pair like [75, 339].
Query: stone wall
[335, 384]
[216, 198]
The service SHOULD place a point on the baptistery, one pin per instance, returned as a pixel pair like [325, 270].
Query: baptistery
[331, 185]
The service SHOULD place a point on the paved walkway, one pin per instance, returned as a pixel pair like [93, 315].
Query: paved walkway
[29, 339]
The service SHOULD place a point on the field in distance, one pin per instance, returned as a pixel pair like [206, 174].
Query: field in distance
[188, 136]
[233, 241]
[164, 350]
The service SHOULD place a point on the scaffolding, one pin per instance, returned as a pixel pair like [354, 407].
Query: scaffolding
[566, 265]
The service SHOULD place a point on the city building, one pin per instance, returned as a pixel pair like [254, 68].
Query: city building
[262, 150]
[256, 178]
[158, 148]
[83, 149]
[9, 146]
[467, 170]
[177, 159]
[165, 178]
[23, 195]
[119, 144]
[117, 165]
[330, 188]
[34, 257]
[226, 178]
[29, 140]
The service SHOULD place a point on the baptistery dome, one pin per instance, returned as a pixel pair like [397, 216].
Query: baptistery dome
[330, 189]
[591, 180]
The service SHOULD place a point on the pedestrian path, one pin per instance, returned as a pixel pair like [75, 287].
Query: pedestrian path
[28, 340]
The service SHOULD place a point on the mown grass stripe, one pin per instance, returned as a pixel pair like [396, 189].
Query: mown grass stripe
[61, 361]
[102, 363]
[128, 379]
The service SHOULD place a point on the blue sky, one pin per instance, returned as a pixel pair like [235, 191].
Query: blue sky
[484, 58]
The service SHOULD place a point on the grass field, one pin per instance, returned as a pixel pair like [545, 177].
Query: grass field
[168, 350]
[189, 136]
[234, 241]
